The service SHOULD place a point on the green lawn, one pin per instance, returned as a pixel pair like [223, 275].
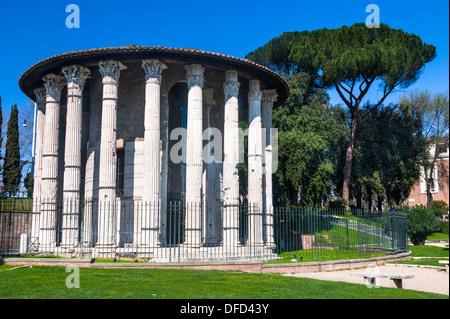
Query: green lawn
[320, 254]
[438, 236]
[337, 242]
[16, 204]
[433, 253]
[428, 251]
[48, 282]
[423, 262]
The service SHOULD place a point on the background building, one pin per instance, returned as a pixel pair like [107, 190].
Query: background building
[439, 184]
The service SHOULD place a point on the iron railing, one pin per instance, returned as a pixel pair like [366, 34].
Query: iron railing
[180, 232]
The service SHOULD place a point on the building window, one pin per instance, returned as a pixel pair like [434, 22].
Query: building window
[442, 150]
[434, 183]
[432, 186]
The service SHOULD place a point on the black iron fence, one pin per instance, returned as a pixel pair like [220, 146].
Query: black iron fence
[178, 232]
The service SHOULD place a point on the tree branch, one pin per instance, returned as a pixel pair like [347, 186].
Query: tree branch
[364, 92]
[336, 84]
[385, 95]
[350, 93]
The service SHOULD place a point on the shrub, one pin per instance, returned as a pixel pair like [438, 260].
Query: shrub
[338, 203]
[421, 224]
[444, 227]
[341, 205]
[439, 208]
[439, 204]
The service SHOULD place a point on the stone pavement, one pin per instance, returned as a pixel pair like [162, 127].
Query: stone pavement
[425, 279]
[428, 279]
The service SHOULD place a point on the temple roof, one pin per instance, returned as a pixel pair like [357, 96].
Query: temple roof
[32, 78]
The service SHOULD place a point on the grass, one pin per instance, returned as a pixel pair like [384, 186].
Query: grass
[433, 254]
[121, 260]
[49, 282]
[20, 205]
[423, 262]
[438, 236]
[315, 255]
[346, 238]
[33, 256]
[336, 242]
[429, 251]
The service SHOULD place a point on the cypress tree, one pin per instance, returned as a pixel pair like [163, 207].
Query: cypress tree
[1, 136]
[28, 182]
[12, 167]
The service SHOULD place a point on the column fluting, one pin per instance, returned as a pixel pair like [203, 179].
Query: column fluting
[110, 71]
[268, 98]
[149, 224]
[76, 76]
[194, 160]
[231, 160]
[37, 187]
[255, 198]
[47, 235]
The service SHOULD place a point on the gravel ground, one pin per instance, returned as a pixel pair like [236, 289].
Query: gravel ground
[425, 279]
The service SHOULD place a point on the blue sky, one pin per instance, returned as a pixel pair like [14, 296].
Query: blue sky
[34, 30]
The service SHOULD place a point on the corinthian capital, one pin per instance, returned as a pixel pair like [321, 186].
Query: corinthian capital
[231, 88]
[254, 93]
[269, 96]
[153, 70]
[77, 74]
[40, 95]
[194, 75]
[54, 85]
[110, 69]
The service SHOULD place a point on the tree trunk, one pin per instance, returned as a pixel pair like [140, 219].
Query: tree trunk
[358, 195]
[349, 161]
[380, 204]
[429, 176]
[429, 195]
[369, 200]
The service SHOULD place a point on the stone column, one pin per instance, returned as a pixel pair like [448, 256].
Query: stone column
[255, 198]
[164, 165]
[268, 98]
[231, 160]
[110, 71]
[76, 76]
[47, 235]
[194, 146]
[212, 160]
[149, 223]
[37, 188]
